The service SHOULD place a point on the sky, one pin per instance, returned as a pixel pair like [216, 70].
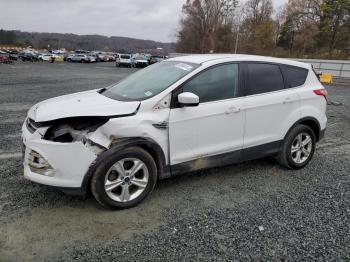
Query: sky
[145, 19]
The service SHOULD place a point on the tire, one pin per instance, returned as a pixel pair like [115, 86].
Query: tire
[122, 179]
[289, 159]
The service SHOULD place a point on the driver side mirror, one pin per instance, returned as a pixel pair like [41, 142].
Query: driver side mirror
[188, 99]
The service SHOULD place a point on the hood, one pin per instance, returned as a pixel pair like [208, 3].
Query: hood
[89, 103]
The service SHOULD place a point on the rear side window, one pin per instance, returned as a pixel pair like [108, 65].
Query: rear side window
[263, 78]
[294, 76]
[217, 83]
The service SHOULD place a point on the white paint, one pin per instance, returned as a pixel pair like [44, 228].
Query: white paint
[208, 129]
[188, 98]
[89, 103]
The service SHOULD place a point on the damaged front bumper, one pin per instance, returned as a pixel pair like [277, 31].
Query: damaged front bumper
[62, 165]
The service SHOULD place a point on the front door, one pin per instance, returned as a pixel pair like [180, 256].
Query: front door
[215, 126]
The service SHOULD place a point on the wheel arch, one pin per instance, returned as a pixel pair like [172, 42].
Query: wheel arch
[311, 122]
[147, 144]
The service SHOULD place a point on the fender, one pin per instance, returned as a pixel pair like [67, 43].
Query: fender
[118, 145]
[317, 127]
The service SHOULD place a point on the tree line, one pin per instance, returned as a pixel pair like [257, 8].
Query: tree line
[300, 28]
[73, 42]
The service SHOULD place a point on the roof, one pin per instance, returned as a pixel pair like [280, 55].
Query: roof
[206, 58]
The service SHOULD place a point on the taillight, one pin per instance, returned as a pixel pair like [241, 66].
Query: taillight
[322, 92]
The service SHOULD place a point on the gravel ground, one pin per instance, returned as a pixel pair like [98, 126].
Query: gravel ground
[250, 211]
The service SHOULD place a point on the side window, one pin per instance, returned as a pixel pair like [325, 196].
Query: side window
[294, 76]
[263, 78]
[217, 83]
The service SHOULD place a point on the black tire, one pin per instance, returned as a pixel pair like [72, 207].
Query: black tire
[111, 157]
[285, 156]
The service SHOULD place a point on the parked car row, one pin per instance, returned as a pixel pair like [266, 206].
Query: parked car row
[83, 56]
[137, 61]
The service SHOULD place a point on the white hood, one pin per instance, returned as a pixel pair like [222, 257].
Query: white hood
[89, 103]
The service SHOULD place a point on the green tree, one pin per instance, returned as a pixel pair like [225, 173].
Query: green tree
[286, 37]
[7, 37]
[334, 26]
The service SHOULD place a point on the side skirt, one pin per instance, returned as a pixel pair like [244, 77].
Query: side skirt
[229, 158]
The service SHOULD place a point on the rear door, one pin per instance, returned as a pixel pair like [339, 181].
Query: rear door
[270, 107]
[215, 126]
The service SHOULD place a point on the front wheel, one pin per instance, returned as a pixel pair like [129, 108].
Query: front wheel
[298, 148]
[123, 179]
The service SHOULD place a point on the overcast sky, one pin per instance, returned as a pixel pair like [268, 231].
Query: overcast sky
[145, 19]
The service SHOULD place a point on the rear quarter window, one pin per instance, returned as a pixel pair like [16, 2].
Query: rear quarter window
[294, 76]
[263, 78]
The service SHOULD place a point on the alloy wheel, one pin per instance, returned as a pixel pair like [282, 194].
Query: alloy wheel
[126, 179]
[301, 148]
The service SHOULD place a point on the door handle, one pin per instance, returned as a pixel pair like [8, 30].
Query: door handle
[288, 100]
[232, 110]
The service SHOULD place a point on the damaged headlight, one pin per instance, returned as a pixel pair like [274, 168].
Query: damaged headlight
[73, 129]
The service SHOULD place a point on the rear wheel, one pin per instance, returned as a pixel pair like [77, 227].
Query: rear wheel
[298, 148]
[123, 180]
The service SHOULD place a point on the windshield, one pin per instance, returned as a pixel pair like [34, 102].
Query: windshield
[125, 57]
[150, 81]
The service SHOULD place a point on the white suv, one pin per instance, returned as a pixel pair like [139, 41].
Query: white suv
[179, 115]
[123, 60]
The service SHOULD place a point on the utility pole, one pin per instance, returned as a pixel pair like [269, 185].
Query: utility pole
[237, 39]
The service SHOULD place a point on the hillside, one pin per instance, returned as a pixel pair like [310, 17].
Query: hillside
[88, 42]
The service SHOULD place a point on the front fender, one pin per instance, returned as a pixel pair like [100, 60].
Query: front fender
[120, 144]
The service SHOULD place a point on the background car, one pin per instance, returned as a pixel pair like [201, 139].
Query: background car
[45, 57]
[29, 56]
[13, 53]
[155, 59]
[4, 57]
[110, 58]
[124, 60]
[82, 58]
[91, 58]
[140, 61]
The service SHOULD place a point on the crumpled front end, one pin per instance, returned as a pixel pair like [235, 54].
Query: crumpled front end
[57, 155]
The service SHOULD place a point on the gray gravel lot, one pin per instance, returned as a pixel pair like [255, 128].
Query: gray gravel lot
[250, 211]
